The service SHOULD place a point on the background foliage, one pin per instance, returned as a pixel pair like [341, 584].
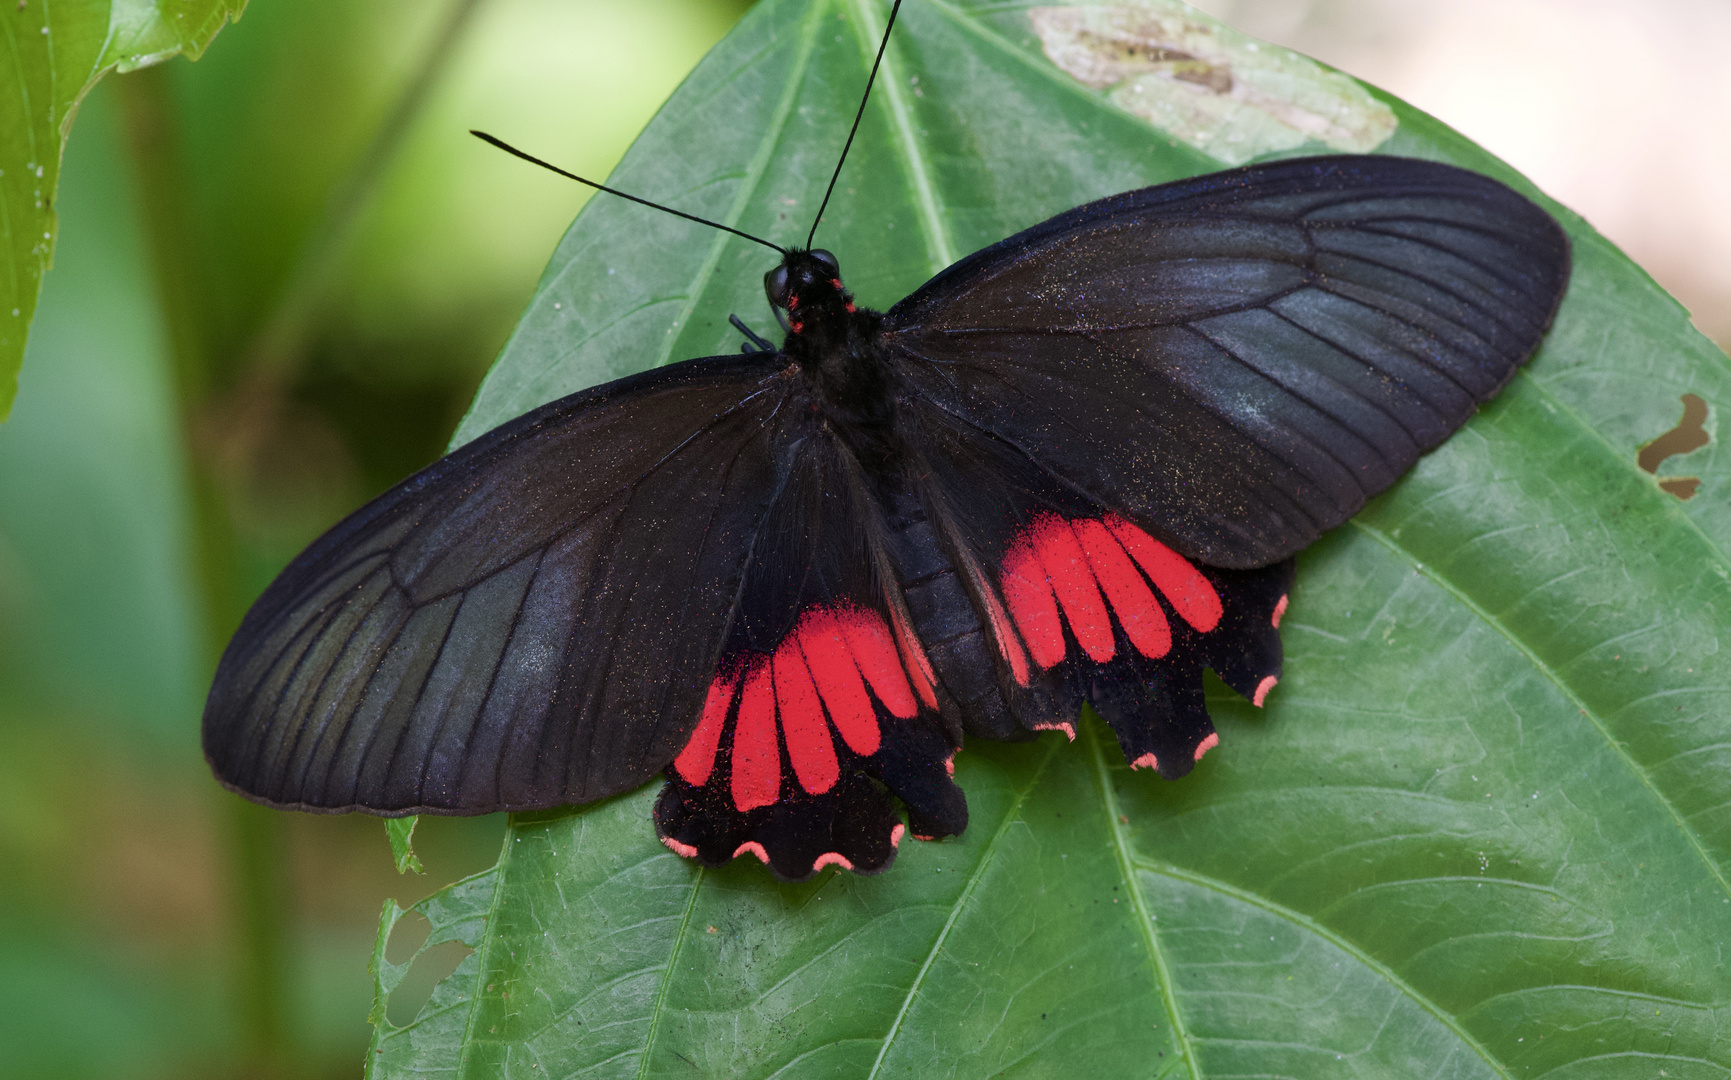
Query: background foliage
[282, 272]
[1481, 830]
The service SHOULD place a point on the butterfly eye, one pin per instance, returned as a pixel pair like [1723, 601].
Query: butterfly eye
[775, 285]
[826, 260]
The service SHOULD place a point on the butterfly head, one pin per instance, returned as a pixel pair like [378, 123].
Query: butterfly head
[806, 287]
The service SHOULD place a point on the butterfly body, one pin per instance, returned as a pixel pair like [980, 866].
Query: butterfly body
[1072, 468]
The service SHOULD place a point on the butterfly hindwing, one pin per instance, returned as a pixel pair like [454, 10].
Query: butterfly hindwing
[1240, 360]
[823, 703]
[529, 622]
[1058, 600]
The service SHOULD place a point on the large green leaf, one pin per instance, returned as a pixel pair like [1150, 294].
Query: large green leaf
[1481, 830]
[54, 52]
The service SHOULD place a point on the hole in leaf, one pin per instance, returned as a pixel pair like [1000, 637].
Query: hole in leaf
[432, 966]
[1689, 435]
[407, 937]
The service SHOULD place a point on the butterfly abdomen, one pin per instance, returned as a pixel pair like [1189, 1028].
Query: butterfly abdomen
[944, 618]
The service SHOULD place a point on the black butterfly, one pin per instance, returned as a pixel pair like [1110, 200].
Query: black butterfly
[1074, 466]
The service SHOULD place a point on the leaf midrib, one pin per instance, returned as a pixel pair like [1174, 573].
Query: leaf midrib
[988, 852]
[940, 245]
[1138, 900]
[748, 187]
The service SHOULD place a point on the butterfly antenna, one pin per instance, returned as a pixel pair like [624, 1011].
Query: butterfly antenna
[882, 45]
[532, 159]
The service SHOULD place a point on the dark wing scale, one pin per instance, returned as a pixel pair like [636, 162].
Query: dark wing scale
[1240, 360]
[531, 621]
[1037, 599]
[822, 705]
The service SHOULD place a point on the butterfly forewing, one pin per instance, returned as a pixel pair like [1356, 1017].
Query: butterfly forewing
[1073, 468]
[1242, 359]
[531, 621]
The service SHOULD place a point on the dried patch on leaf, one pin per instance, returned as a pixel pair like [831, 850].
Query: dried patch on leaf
[1689, 435]
[1226, 94]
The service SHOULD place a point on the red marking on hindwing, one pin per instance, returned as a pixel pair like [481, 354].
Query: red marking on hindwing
[1029, 596]
[1003, 633]
[869, 640]
[896, 834]
[826, 663]
[1279, 610]
[755, 848]
[1189, 593]
[802, 724]
[831, 858]
[685, 850]
[1262, 689]
[1207, 744]
[1068, 729]
[838, 680]
[756, 750]
[1073, 581]
[1131, 599]
[697, 760]
[1146, 761]
[914, 659]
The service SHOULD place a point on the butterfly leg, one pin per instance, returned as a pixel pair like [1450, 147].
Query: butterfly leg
[754, 342]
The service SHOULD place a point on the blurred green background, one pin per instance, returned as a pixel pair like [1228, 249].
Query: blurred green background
[283, 270]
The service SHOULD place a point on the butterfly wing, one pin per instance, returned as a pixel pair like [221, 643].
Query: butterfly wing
[1240, 360]
[1033, 598]
[822, 703]
[531, 621]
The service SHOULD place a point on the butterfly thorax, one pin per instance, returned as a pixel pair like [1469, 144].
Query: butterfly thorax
[836, 346]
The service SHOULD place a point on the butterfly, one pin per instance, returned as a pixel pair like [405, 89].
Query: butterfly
[1074, 467]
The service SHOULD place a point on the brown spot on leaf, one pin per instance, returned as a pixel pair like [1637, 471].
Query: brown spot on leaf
[1689, 435]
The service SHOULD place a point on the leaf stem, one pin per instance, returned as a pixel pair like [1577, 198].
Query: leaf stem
[280, 343]
[255, 835]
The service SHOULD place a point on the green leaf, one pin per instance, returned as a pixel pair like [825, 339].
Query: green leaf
[54, 54]
[401, 832]
[1481, 831]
